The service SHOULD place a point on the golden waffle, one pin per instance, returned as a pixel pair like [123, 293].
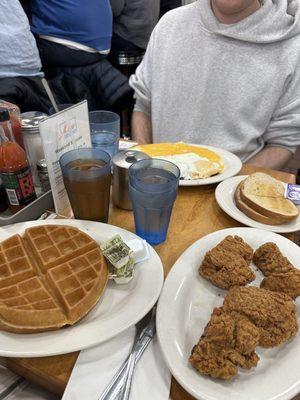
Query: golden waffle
[56, 244]
[15, 264]
[29, 307]
[50, 277]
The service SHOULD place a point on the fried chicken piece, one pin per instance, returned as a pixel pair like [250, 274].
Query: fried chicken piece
[281, 275]
[226, 343]
[274, 314]
[250, 316]
[288, 283]
[225, 270]
[269, 259]
[227, 264]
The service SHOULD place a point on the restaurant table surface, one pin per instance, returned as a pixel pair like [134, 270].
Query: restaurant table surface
[195, 215]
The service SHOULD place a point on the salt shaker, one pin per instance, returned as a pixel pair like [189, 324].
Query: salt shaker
[32, 140]
[121, 163]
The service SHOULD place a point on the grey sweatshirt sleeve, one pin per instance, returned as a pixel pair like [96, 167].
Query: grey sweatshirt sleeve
[141, 81]
[284, 127]
[117, 7]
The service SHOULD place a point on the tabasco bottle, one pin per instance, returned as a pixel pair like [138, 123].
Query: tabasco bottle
[14, 167]
[14, 113]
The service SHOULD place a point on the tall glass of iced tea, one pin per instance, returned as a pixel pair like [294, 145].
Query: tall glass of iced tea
[87, 177]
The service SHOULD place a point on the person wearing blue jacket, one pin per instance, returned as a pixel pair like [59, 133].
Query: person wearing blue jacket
[72, 33]
[102, 85]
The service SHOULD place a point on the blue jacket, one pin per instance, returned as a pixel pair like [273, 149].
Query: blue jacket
[88, 22]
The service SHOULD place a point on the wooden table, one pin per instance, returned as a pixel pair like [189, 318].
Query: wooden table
[195, 214]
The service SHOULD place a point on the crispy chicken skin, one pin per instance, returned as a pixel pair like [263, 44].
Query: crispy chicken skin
[249, 317]
[274, 314]
[227, 343]
[233, 332]
[227, 264]
[269, 259]
[210, 360]
[288, 283]
[236, 245]
[281, 275]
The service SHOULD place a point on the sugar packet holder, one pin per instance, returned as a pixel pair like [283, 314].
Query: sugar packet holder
[292, 192]
[123, 256]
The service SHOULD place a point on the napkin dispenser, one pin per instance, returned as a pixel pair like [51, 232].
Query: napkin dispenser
[121, 163]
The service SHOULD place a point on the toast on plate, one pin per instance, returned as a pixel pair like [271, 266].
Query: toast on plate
[251, 213]
[261, 198]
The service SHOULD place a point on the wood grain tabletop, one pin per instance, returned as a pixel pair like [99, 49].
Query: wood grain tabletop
[195, 215]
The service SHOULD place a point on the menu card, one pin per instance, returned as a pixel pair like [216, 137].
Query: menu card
[67, 130]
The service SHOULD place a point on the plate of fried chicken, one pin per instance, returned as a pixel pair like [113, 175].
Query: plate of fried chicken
[227, 317]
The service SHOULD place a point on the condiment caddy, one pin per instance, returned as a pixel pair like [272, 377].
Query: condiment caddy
[27, 198]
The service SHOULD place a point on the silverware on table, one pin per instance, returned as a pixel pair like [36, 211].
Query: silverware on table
[143, 337]
[148, 335]
[11, 388]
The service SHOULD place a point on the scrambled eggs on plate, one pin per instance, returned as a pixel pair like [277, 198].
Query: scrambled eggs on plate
[194, 162]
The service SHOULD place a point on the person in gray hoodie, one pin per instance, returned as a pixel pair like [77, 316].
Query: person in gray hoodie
[224, 73]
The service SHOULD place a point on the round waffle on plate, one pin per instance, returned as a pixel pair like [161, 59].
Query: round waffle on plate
[50, 277]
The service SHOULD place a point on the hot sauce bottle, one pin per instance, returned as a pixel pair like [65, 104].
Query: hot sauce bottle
[14, 167]
[14, 113]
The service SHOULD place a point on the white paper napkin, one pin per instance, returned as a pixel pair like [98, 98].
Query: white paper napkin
[95, 368]
[25, 391]
[126, 144]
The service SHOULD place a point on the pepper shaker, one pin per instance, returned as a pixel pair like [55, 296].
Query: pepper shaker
[42, 170]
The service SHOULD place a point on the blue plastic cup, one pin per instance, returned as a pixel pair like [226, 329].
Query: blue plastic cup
[153, 186]
[105, 121]
[107, 141]
[87, 177]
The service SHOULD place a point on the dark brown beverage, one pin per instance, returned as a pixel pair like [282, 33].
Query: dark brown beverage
[87, 182]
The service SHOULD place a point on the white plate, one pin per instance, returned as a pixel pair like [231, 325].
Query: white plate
[225, 198]
[232, 166]
[184, 309]
[120, 307]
